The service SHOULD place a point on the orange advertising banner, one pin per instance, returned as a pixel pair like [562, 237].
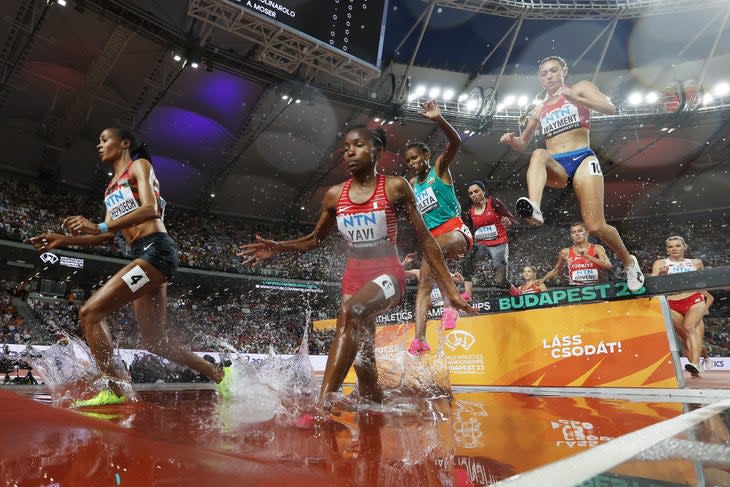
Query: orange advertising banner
[606, 344]
[499, 435]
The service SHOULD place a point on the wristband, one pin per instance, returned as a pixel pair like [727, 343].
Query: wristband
[103, 227]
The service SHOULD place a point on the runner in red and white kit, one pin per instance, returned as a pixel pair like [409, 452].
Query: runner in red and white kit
[584, 259]
[135, 208]
[530, 284]
[489, 219]
[563, 114]
[364, 208]
[688, 308]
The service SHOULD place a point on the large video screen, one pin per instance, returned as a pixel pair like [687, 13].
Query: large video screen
[352, 26]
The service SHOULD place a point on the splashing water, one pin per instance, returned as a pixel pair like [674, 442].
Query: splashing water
[277, 387]
[70, 372]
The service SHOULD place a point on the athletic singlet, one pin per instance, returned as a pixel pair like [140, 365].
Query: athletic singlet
[488, 228]
[122, 196]
[436, 200]
[563, 115]
[369, 224]
[531, 288]
[581, 270]
[675, 267]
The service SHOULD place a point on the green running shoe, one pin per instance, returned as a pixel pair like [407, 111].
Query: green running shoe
[103, 398]
[224, 386]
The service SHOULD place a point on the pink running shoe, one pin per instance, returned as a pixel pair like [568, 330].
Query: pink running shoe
[466, 296]
[418, 347]
[305, 421]
[448, 318]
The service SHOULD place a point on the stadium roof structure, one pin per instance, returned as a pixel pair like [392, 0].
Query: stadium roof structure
[257, 124]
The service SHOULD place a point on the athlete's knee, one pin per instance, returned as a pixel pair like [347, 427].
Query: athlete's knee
[354, 315]
[597, 227]
[90, 313]
[156, 345]
[539, 156]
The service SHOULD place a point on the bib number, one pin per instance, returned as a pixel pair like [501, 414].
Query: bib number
[364, 229]
[488, 232]
[120, 202]
[585, 275]
[426, 201]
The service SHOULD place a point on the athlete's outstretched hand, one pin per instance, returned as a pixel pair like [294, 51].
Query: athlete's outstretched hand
[430, 110]
[47, 241]
[457, 301]
[78, 225]
[258, 251]
[508, 138]
[409, 258]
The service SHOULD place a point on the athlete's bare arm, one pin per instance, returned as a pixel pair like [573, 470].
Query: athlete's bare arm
[588, 94]
[401, 194]
[441, 166]
[143, 173]
[557, 268]
[519, 143]
[264, 249]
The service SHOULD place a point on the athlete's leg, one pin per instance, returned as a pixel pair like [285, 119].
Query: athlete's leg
[678, 322]
[150, 309]
[500, 259]
[588, 185]
[544, 171]
[468, 267]
[694, 327]
[356, 322]
[121, 289]
[452, 244]
[423, 299]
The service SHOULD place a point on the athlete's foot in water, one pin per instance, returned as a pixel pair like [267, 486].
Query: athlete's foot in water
[224, 386]
[449, 316]
[529, 211]
[113, 392]
[419, 347]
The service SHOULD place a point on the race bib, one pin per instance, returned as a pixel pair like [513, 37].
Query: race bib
[426, 201]
[488, 232]
[120, 202]
[584, 275]
[681, 267]
[562, 119]
[364, 229]
[436, 298]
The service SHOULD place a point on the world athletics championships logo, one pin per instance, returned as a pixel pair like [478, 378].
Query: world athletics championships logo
[49, 257]
[460, 338]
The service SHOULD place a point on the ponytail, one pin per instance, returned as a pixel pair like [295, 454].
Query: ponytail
[137, 149]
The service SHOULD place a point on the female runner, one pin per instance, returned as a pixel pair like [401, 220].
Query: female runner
[688, 308]
[364, 208]
[489, 219]
[564, 116]
[135, 208]
[437, 202]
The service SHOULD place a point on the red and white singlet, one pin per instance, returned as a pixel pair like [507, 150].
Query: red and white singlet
[488, 228]
[369, 225]
[563, 115]
[581, 270]
[675, 267]
[122, 196]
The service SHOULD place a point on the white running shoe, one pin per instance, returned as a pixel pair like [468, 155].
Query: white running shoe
[634, 276]
[529, 211]
[694, 369]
